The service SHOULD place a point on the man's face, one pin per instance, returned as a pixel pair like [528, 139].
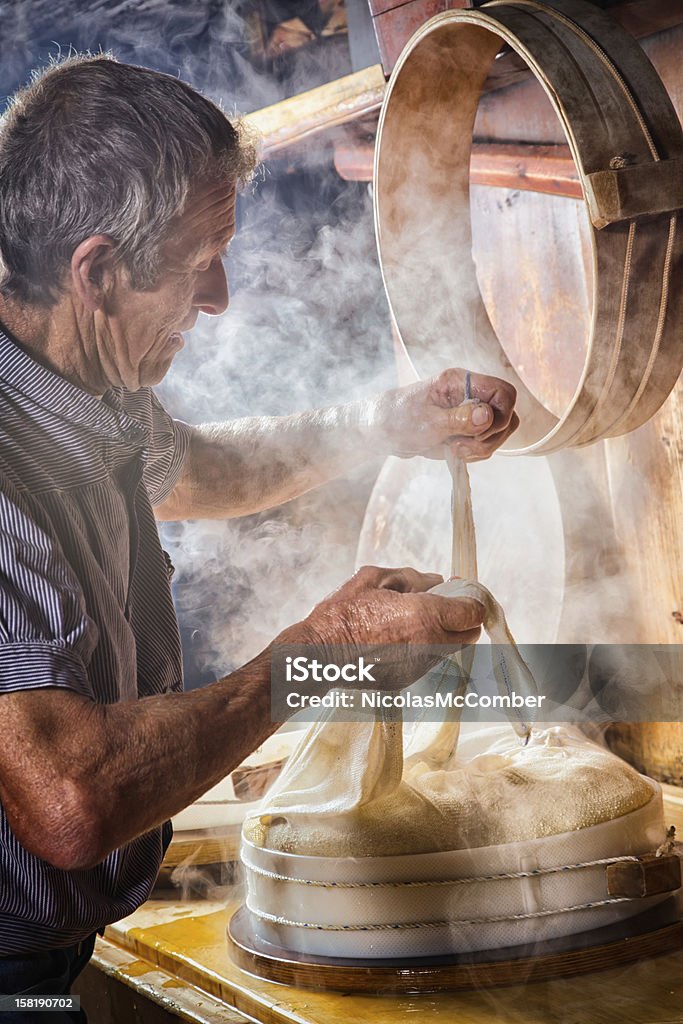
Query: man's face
[137, 333]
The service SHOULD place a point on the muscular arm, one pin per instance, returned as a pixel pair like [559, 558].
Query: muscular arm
[233, 469]
[79, 779]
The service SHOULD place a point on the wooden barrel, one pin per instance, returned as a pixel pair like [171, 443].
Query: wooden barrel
[624, 136]
[518, 272]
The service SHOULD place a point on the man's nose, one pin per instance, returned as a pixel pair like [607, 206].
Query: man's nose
[211, 294]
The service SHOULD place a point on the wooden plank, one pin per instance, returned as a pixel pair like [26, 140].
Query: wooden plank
[646, 481]
[119, 986]
[354, 160]
[655, 748]
[548, 169]
[673, 806]
[289, 122]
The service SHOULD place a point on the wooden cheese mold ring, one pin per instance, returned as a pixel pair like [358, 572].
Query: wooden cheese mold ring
[627, 144]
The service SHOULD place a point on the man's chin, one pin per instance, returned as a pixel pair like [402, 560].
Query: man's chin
[155, 372]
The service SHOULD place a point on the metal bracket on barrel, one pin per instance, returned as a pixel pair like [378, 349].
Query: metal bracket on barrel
[629, 190]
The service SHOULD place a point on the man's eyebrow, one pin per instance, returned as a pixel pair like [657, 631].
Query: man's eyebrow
[221, 242]
[213, 247]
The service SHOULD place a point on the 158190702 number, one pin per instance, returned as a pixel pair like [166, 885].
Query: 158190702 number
[45, 1003]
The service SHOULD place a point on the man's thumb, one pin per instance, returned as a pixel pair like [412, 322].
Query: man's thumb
[470, 418]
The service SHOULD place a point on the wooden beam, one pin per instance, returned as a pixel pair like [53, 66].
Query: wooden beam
[529, 168]
[292, 120]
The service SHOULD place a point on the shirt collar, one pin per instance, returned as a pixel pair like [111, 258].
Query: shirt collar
[103, 417]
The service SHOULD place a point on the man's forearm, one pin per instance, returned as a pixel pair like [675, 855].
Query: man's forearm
[142, 763]
[190, 742]
[237, 468]
[248, 465]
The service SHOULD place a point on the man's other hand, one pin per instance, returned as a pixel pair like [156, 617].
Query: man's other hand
[424, 418]
[391, 609]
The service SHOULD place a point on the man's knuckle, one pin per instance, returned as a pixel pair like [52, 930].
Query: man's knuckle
[510, 392]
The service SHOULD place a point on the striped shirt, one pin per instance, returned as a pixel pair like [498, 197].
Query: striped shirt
[85, 605]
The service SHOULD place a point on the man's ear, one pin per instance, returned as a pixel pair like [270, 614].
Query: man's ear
[92, 267]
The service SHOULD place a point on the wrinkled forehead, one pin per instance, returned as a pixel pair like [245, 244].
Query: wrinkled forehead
[208, 220]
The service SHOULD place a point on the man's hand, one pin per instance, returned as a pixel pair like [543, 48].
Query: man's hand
[423, 418]
[389, 609]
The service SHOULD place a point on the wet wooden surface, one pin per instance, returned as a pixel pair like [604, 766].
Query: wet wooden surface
[194, 948]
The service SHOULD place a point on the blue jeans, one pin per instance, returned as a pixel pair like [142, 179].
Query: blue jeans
[49, 974]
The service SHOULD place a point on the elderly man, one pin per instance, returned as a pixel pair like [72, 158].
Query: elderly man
[117, 201]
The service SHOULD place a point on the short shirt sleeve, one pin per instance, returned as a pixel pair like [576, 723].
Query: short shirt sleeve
[46, 636]
[168, 447]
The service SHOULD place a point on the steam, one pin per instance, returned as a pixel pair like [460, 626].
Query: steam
[308, 327]
[209, 882]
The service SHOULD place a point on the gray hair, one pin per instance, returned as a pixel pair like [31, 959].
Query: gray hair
[93, 146]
